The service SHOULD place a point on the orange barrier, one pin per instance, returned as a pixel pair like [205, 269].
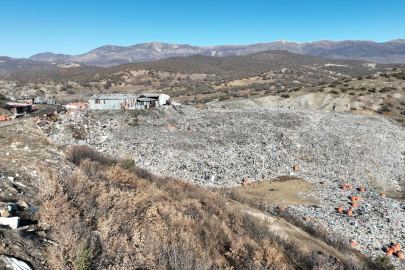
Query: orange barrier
[354, 243]
[396, 247]
[344, 187]
[354, 204]
[171, 127]
[245, 182]
[362, 189]
[349, 212]
[295, 167]
[4, 118]
[282, 208]
[340, 209]
[350, 186]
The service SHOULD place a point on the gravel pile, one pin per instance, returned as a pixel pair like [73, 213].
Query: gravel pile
[376, 222]
[220, 147]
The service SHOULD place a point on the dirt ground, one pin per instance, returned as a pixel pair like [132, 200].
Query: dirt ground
[284, 190]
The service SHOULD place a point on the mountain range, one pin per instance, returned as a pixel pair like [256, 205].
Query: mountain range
[386, 52]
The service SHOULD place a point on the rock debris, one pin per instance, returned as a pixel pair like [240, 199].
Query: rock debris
[215, 146]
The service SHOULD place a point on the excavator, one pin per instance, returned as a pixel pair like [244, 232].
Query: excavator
[50, 116]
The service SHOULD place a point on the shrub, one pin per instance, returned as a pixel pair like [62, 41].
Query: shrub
[83, 260]
[79, 153]
[150, 222]
[384, 263]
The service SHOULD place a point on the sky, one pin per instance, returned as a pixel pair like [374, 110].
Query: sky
[29, 27]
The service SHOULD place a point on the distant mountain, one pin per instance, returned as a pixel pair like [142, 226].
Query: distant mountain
[50, 57]
[9, 65]
[105, 56]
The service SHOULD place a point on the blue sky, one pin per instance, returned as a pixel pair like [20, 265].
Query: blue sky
[73, 27]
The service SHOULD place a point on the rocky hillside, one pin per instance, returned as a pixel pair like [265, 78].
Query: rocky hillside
[9, 65]
[109, 55]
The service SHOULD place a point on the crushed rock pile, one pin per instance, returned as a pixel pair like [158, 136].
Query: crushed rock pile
[221, 147]
[376, 223]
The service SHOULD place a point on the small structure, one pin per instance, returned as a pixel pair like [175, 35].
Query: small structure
[26, 101]
[44, 100]
[19, 108]
[127, 101]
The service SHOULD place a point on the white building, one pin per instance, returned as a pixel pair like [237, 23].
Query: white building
[127, 101]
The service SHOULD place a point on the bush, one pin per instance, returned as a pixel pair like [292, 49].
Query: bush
[384, 263]
[107, 85]
[372, 90]
[83, 260]
[79, 153]
[285, 96]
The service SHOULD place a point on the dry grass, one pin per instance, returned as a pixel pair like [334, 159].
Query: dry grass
[131, 219]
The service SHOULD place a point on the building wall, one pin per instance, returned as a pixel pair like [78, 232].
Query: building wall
[112, 104]
[127, 104]
[163, 98]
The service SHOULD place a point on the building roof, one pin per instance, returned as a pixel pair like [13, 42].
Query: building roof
[146, 99]
[114, 96]
[149, 95]
[15, 104]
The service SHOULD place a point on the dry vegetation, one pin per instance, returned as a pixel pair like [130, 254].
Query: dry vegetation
[195, 78]
[113, 215]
